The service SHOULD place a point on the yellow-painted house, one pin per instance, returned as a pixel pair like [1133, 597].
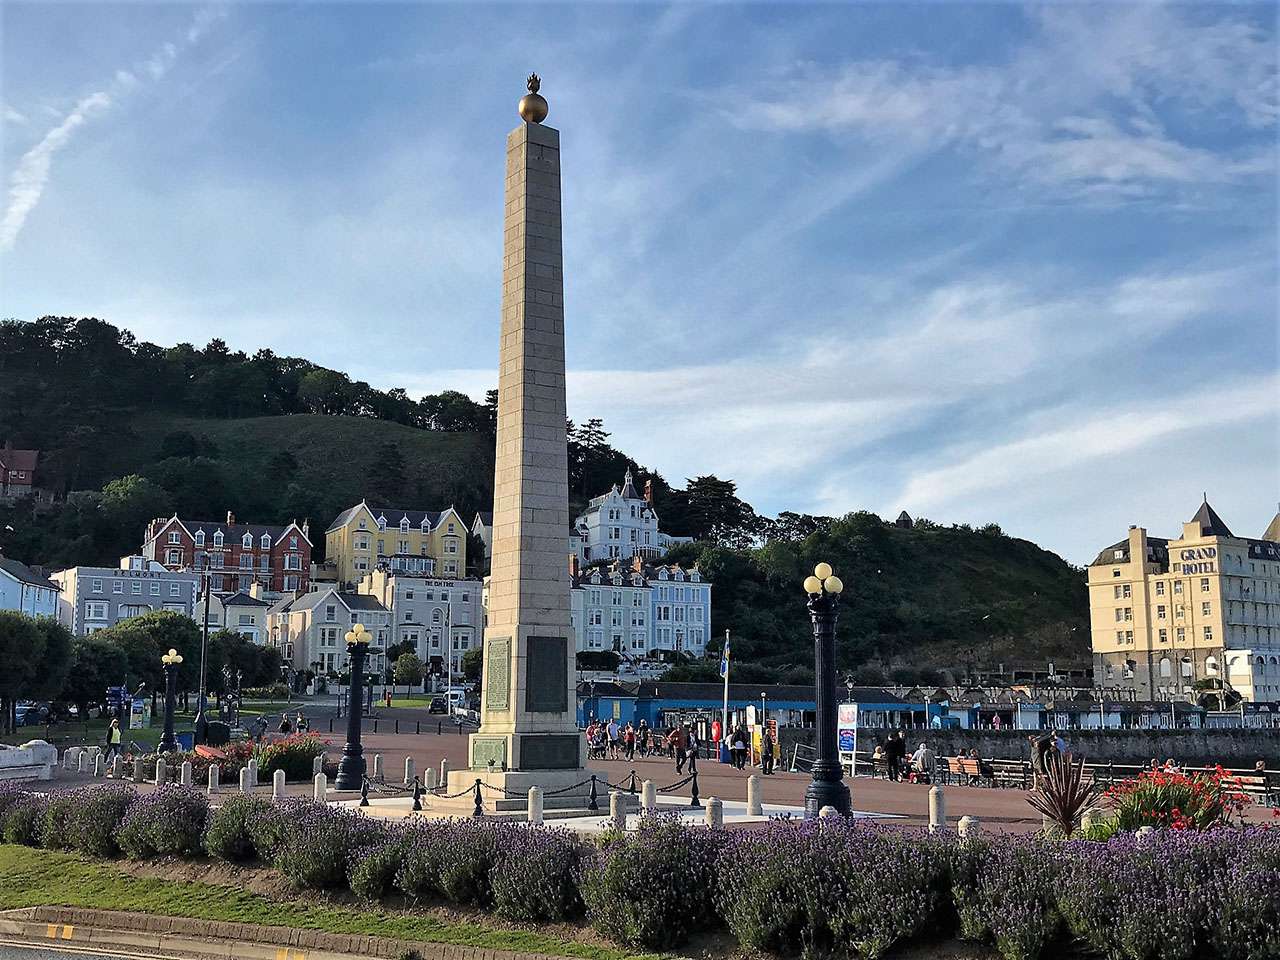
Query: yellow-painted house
[422, 542]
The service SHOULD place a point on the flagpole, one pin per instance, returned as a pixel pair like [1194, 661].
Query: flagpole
[724, 716]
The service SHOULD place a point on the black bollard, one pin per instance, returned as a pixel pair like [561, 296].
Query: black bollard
[631, 784]
[364, 791]
[397, 724]
[417, 726]
[417, 793]
[693, 803]
[479, 810]
[592, 802]
[439, 727]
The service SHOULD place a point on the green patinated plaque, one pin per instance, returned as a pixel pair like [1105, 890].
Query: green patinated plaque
[484, 749]
[497, 674]
[547, 675]
[549, 752]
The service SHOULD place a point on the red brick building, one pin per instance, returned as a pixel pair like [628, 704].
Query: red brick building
[237, 555]
[17, 471]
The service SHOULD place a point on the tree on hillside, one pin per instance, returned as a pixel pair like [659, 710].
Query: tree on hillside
[453, 411]
[145, 639]
[130, 503]
[386, 476]
[713, 512]
[472, 664]
[325, 391]
[491, 410]
[21, 653]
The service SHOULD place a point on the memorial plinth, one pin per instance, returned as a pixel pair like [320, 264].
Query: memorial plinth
[528, 730]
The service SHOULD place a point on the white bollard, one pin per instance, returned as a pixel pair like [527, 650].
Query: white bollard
[137, 771]
[969, 827]
[617, 811]
[1146, 832]
[185, 773]
[252, 767]
[162, 771]
[535, 805]
[444, 771]
[246, 784]
[317, 765]
[277, 785]
[715, 814]
[97, 766]
[117, 767]
[431, 779]
[215, 774]
[648, 797]
[377, 768]
[828, 812]
[755, 796]
[320, 786]
[82, 762]
[937, 809]
[410, 770]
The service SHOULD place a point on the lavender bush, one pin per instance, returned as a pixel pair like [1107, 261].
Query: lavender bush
[467, 854]
[227, 835]
[371, 869]
[23, 819]
[1248, 909]
[832, 887]
[313, 849]
[92, 820]
[1010, 897]
[418, 876]
[535, 877]
[269, 823]
[655, 887]
[168, 822]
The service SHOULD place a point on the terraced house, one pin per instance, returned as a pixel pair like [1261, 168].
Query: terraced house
[309, 630]
[422, 543]
[640, 610]
[236, 555]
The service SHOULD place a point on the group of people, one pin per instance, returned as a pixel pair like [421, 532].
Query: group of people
[920, 767]
[612, 740]
[739, 746]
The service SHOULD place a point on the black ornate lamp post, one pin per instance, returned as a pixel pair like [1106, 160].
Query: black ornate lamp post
[171, 660]
[827, 788]
[351, 767]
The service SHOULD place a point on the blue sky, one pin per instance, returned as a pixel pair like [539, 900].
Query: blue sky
[982, 263]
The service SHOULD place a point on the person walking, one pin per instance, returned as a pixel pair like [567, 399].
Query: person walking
[285, 726]
[301, 723]
[113, 740]
[614, 734]
[629, 742]
[676, 741]
[642, 738]
[691, 746]
[896, 752]
[766, 753]
[739, 748]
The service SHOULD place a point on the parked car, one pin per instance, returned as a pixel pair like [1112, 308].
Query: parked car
[437, 705]
[32, 714]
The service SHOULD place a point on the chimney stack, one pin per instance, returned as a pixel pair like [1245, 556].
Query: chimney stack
[231, 519]
[573, 565]
[648, 492]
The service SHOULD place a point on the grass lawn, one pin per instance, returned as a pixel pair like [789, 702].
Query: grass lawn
[34, 878]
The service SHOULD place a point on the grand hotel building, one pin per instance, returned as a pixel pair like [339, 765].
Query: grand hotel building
[1168, 614]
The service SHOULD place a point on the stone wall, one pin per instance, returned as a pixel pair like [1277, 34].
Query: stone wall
[1231, 748]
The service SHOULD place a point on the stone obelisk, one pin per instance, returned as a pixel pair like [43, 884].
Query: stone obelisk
[528, 732]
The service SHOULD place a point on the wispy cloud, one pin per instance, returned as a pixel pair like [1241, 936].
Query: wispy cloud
[1077, 107]
[30, 177]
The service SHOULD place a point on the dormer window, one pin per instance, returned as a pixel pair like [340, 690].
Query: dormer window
[217, 538]
[425, 526]
[680, 575]
[247, 541]
[199, 538]
[382, 523]
[293, 543]
[362, 523]
[404, 524]
[265, 541]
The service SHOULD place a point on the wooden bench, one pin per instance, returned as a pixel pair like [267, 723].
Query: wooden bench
[966, 771]
[1011, 773]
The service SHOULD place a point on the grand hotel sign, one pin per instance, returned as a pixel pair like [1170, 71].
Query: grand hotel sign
[1199, 559]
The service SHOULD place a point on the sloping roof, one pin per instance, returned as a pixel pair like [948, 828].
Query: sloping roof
[352, 601]
[24, 574]
[485, 518]
[629, 491]
[1272, 532]
[750, 693]
[1157, 552]
[393, 515]
[242, 599]
[1210, 523]
[236, 531]
[362, 601]
[12, 459]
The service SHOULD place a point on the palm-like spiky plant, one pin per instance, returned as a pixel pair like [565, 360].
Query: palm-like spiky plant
[1062, 794]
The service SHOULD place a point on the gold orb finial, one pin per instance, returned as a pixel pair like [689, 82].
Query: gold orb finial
[533, 108]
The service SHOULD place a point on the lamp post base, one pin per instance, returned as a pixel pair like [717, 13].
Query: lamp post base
[826, 793]
[350, 770]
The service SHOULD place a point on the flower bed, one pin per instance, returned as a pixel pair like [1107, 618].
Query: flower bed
[837, 889]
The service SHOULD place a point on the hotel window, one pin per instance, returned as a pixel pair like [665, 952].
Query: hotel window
[175, 536]
[136, 588]
[382, 547]
[247, 541]
[1159, 588]
[97, 586]
[466, 598]
[1205, 609]
[1127, 591]
[1164, 635]
[117, 586]
[1128, 613]
[96, 610]
[1181, 634]
[382, 523]
[1180, 611]
[173, 557]
[265, 541]
[217, 539]
[199, 538]
[402, 546]
[1208, 633]
[451, 546]
[1204, 584]
[291, 583]
[1160, 612]
[155, 588]
[404, 524]
[175, 589]
[1177, 586]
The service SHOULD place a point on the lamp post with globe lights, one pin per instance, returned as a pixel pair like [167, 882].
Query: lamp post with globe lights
[351, 767]
[171, 660]
[827, 789]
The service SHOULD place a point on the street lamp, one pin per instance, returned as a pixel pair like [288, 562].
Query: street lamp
[351, 767]
[171, 660]
[827, 789]
[202, 695]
